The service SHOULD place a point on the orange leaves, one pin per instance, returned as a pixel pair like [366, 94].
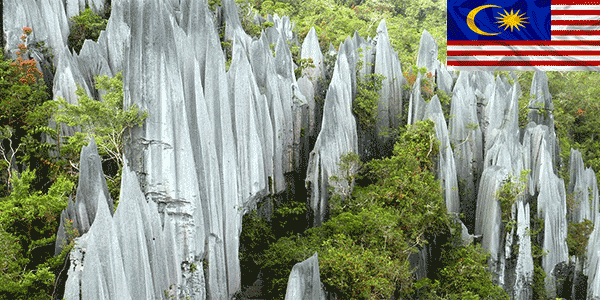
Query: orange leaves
[26, 70]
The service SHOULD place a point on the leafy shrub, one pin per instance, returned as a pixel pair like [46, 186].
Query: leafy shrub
[466, 274]
[24, 114]
[578, 236]
[105, 120]
[364, 248]
[86, 26]
[365, 104]
[28, 223]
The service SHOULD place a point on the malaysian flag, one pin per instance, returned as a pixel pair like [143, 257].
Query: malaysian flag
[549, 35]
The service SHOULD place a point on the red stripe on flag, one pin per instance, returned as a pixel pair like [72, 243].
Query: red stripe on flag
[508, 63]
[575, 2]
[521, 53]
[575, 32]
[574, 12]
[575, 22]
[523, 43]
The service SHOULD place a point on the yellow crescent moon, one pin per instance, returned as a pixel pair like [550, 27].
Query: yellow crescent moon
[471, 20]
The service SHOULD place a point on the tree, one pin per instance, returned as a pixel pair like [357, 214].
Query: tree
[105, 120]
[28, 224]
[86, 26]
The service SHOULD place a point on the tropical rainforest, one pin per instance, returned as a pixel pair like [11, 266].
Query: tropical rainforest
[372, 233]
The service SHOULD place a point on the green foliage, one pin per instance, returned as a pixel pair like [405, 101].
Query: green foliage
[361, 255]
[323, 82]
[365, 104]
[105, 120]
[466, 274]
[538, 286]
[24, 115]
[350, 165]
[28, 223]
[511, 190]
[86, 26]
[364, 247]
[578, 236]
[407, 182]
[576, 100]
[303, 64]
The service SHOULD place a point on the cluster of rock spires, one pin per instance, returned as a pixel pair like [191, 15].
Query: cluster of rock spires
[217, 141]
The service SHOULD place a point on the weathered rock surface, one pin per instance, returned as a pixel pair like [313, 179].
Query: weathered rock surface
[125, 257]
[466, 137]
[446, 166]
[305, 281]
[592, 269]
[583, 186]
[390, 96]
[428, 58]
[523, 274]
[551, 206]
[91, 184]
[488, 222]
[337, 137]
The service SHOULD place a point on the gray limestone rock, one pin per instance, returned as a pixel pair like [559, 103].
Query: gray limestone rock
[132, 237]
[540, 106]
[312, 50]
[446, 166]
[417, 105]
[103, 275]
[117, 36]
[305, 282]
[551, 206]
[427, 57]
[72, 287]
[502, 112]
[91, 183]
[467, 139]
[592, 269]
[337, 137]
[92, 62]
[584, 189]
[488, 221]
[532, 151]
[524, 268]
[387, 64]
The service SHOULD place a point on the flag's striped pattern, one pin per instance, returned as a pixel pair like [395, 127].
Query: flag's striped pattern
[574, 45]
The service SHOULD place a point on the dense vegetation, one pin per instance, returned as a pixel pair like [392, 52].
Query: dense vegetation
[365, 248]
[85, 26]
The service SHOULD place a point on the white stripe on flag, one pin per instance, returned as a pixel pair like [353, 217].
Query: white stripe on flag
[575, 7]
[575, 37]
[574, 27]
[523, 48]
[577, 17]
[524, 58]
[523, 68]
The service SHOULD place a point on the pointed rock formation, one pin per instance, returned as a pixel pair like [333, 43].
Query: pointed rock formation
[91, 184]
[304, 281]
[389, 107]
[337, 137]
[466, 137]
[583, 188]
[446, 166]
[427, 57]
